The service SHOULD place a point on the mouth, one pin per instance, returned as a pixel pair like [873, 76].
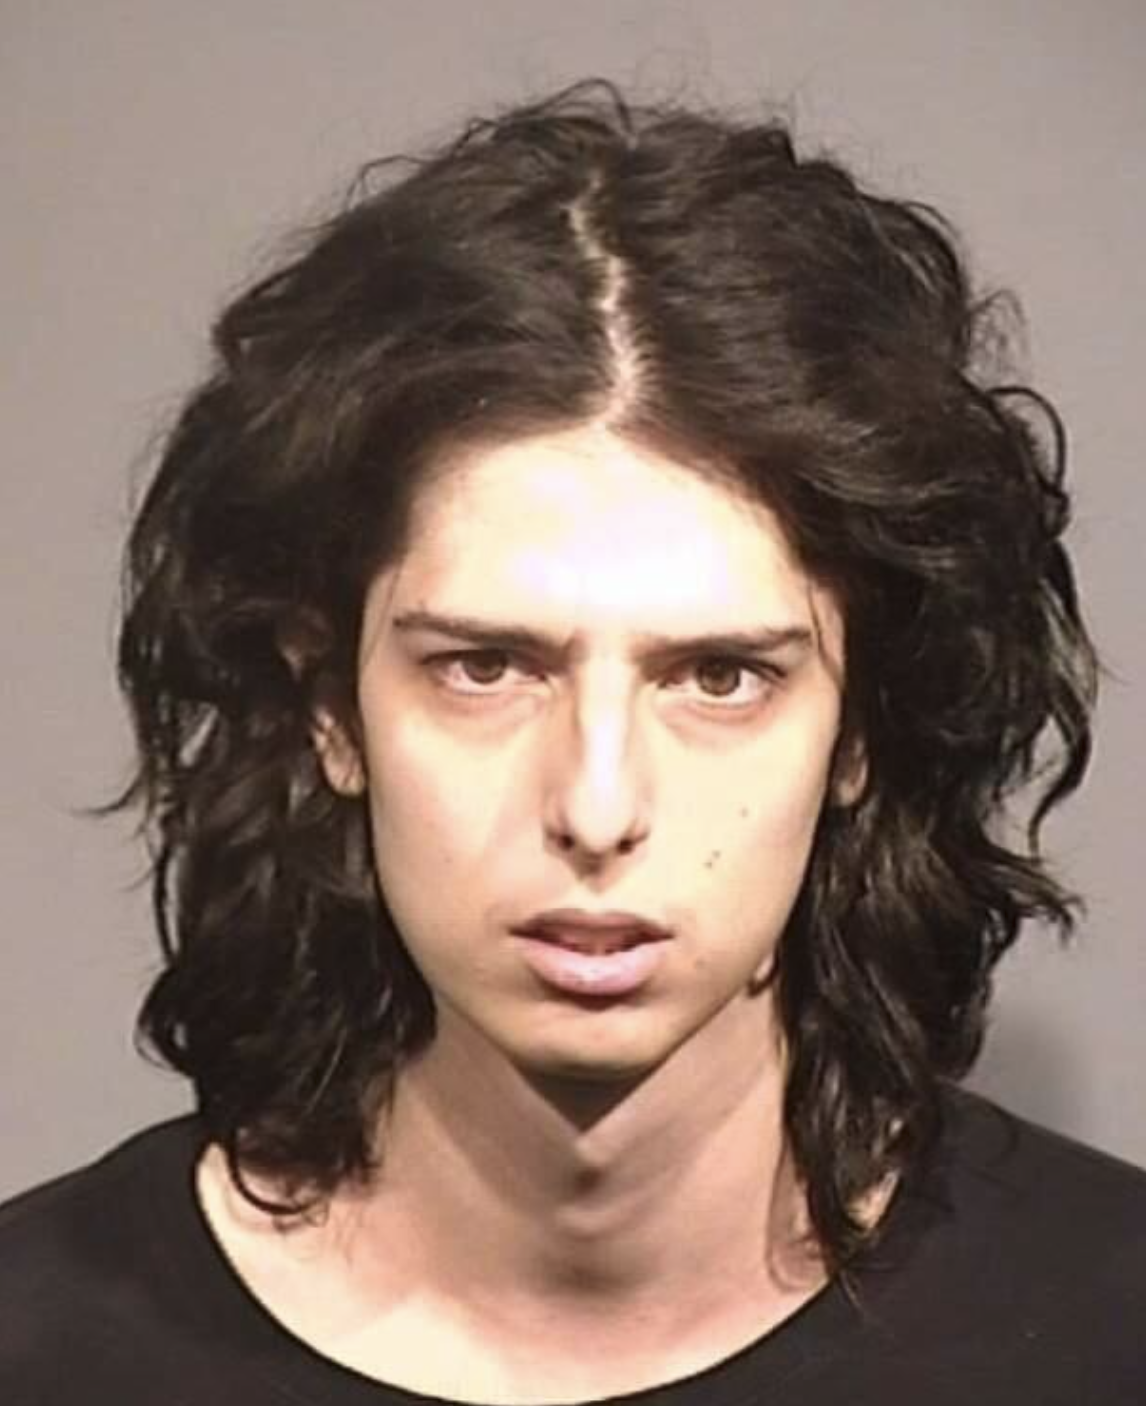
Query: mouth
[593, 934]
[602, 956]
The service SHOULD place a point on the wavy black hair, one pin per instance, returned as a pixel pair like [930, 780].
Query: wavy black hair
[688, 279]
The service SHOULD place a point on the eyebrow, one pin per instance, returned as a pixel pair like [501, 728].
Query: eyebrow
[493, 635]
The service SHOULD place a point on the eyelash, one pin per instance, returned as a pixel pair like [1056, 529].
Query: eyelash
[768, 673]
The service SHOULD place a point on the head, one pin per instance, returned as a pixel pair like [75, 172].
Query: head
[602, 378]
[593, 681]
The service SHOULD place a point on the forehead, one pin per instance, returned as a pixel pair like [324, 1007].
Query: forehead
[584, 529]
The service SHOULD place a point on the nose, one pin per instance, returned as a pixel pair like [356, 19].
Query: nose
[597, 783]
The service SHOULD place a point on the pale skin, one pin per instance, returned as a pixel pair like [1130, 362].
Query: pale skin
[576, 1201]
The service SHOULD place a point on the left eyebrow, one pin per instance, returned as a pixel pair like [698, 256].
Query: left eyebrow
[489, 634]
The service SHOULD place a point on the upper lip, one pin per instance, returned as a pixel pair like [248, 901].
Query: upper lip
[569, 922]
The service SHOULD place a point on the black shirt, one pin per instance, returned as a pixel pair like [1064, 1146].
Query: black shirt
[1013, 1271]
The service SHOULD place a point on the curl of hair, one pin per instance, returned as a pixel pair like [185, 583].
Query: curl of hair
[692, 282]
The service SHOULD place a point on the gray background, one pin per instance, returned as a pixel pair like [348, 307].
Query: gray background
[153, 152]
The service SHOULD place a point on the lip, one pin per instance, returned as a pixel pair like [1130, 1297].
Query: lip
[573, 971]
[567, 925]
[603, 955]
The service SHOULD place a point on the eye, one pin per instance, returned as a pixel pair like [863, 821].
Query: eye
[720, 677]
[725, 681]
[477, 671]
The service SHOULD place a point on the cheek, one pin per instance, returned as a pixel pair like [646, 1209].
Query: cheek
[748, 842]
[434, 818]
[749, 811]
[413, 823]
[424, 874]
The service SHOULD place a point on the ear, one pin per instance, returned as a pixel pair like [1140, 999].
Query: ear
[339, 758]
[301, 643]
[849, 774]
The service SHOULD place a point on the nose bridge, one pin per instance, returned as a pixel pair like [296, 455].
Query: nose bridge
[599, 778]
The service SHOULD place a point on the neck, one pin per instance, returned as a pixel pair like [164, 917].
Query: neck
[567, 1200]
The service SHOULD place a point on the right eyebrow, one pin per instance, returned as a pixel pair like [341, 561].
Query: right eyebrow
[485, 633]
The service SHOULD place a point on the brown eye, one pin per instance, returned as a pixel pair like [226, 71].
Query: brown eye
[725, 682]
[490, 674]
[719, 678]
[485, 666]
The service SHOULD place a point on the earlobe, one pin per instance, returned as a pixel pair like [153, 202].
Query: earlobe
[302, 642]
[339, 758]
[850, 775]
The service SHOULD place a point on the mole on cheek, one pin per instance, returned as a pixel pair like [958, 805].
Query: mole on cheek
[712, 858]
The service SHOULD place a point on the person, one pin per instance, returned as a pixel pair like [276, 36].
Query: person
[587, 639]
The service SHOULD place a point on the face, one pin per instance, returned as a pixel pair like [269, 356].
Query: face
[594, 682]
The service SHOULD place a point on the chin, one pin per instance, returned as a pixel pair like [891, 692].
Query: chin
[593, 1058]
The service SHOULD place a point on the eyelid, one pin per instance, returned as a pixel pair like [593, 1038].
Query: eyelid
[441, 660]
[752, 663]
[767, 670]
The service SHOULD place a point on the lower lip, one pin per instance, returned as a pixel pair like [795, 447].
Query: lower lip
[585, 974]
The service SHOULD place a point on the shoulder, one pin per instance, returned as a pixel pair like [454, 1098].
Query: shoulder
[67, 1213]
[1020, 1255]
[1027, 1173]
[1038, 1205]
[80, 1258]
